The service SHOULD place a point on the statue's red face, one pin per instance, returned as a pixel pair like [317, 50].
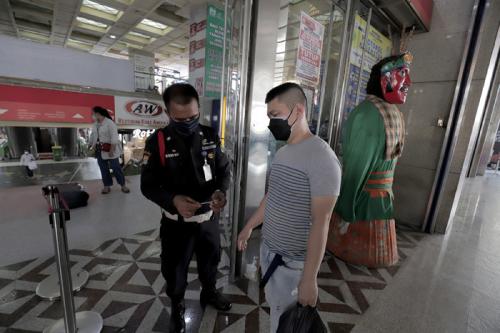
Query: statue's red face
[395, 84]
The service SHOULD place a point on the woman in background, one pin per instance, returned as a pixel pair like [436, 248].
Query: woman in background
[104, 140]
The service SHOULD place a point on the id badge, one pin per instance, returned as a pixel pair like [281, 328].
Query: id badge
[207, 171]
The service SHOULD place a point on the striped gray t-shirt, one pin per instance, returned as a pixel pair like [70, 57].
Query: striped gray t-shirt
[299, 172]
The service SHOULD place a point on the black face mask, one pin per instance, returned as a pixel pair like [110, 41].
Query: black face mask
[186, 128]
[280, 128]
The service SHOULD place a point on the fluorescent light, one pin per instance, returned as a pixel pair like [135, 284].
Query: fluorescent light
[133, 33]
[154, 24]
[91, 22]
[79, 42]
[134, 46]
[179, 46]
[28, 31]
[98, 6]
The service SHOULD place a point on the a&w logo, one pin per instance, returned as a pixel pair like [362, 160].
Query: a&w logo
[144, 108]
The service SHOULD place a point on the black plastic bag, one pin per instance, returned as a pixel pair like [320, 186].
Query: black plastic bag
[74, 195]
[301, 319]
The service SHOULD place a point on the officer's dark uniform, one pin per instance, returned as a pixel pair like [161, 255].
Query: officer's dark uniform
[183, 174]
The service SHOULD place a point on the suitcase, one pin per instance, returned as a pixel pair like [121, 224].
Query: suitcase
[74, 195]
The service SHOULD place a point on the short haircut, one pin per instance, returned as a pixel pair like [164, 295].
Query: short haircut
[102, 111]
[180, 93]
[289, 93]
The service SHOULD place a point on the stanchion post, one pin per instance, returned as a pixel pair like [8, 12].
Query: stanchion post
[57, 220]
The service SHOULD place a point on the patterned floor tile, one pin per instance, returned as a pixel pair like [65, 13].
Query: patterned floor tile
[126, 287]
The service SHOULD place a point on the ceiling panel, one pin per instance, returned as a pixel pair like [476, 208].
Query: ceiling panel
[107, 27]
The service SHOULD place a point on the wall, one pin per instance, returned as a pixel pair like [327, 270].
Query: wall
[434, 72]
[466, 137]
[28, 60]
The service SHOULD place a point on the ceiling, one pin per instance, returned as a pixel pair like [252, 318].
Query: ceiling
[107, 27]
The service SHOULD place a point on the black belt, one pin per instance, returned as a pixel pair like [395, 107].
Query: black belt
[275, 263]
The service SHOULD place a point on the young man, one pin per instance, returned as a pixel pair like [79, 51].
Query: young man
[302, 190]
[187, 175]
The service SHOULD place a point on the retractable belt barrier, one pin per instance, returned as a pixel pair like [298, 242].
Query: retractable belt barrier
[81, 322]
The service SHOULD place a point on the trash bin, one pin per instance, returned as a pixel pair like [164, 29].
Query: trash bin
[57, 153]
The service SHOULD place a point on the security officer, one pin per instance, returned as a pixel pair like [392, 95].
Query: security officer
[187, 175]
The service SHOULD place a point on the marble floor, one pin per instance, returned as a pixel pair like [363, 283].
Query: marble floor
[445, 283]
[451, 283]
[13, 175]
[127, 289]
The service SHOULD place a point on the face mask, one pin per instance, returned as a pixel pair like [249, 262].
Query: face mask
[186, 128]
[280, 128]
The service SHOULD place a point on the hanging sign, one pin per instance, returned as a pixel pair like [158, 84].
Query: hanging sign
[27, 104]
[140, 112]
[310, 48]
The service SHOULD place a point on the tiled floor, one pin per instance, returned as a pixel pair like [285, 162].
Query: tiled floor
[444, 283]
[52, 172]
[25, 231]
[14, 175]
[450, 284]
[126, 287]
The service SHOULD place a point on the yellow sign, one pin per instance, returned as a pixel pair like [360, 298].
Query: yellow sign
[377, 45]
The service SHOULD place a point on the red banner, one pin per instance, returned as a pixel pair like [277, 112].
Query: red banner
[47, 105]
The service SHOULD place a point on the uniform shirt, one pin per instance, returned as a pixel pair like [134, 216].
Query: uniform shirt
[299, 173]
[182, 173]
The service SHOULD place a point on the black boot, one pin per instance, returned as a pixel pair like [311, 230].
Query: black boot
[177, 323]
[215, 299]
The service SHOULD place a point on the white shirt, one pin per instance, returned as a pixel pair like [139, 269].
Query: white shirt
[106, 132]
[28, 160]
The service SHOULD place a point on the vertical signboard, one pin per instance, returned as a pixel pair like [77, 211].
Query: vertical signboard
[310, 49]
[214, 51]
[197, 43]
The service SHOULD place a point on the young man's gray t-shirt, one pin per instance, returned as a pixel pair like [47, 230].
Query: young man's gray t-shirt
[299, 172]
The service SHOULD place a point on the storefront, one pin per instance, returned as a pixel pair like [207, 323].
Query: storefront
[328, 47]
[34, 121]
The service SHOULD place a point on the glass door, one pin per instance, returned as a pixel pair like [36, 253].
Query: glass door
[232, 115]
[311, 57]
[363, 48]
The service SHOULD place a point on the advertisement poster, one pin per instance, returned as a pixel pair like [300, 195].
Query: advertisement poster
[310, 49]
[49, 106]
[377, 47]
[139, 112]
[214, 51]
